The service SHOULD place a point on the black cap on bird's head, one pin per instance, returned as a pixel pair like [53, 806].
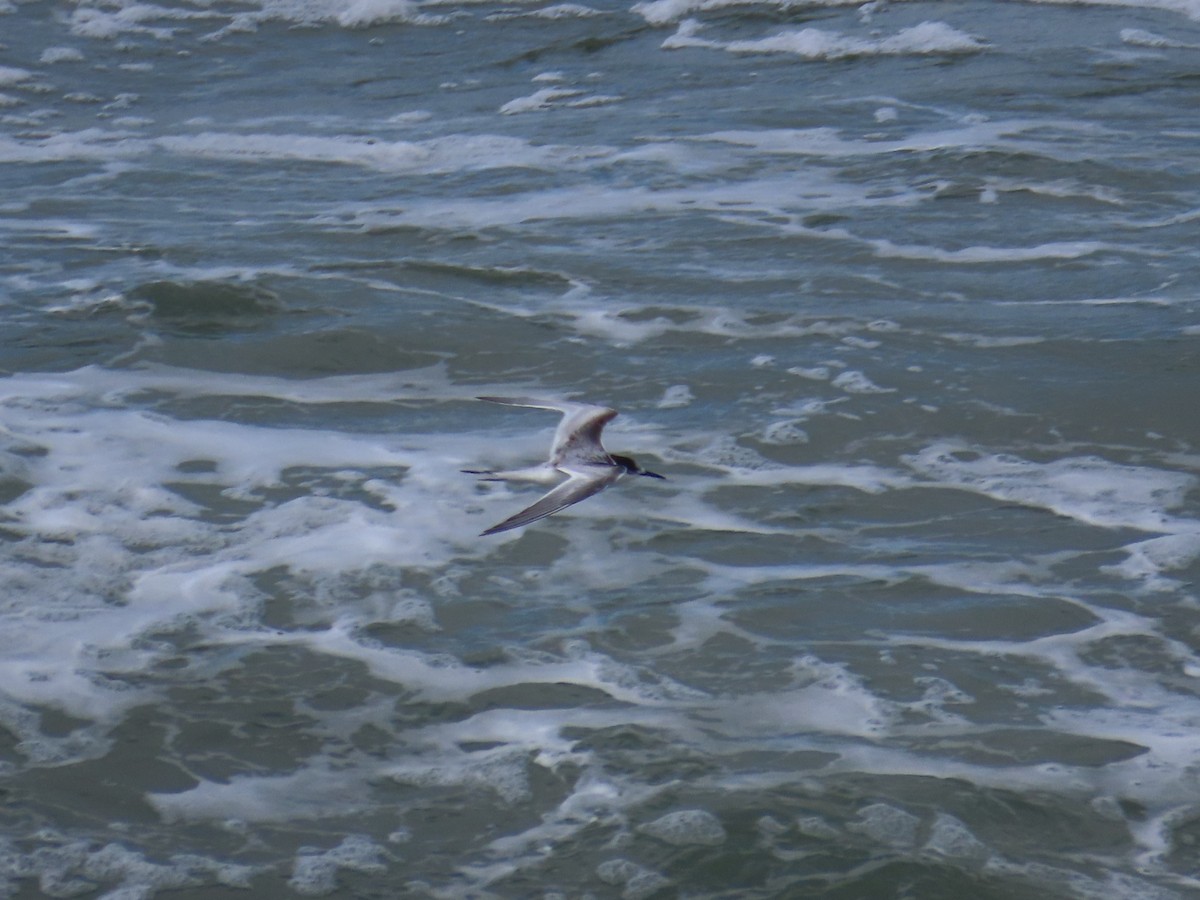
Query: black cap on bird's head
[632, 468]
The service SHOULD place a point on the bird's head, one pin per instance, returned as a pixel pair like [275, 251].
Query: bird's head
[632, 468]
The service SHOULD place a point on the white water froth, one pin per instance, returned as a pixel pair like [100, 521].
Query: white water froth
[964, 133]
[836, 702]
[455, 153]
[927, 38]
[120, 554]
[1087, 489]
[638, 881]
[308, 793]
[69, 868]
[555, 97]
[10, 75]
[1189, 8]
[664, 12]
[99, 502]
[554, 11]
[314, 872]
[135, 17]
[686, 827]
[443, 155]
[1137, 37]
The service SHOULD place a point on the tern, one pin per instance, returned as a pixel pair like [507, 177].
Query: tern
[576, 453]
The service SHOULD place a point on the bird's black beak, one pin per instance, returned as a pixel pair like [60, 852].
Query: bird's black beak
[653, 475]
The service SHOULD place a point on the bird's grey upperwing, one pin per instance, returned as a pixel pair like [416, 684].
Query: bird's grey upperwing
[577, 440]
[582, 483]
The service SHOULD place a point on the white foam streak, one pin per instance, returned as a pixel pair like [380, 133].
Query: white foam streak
[592, 202]
[1189, 8]
[113, 387]
[1087, 489]
[540, 99]
[440, 678]
[664, 12]
[309, 792]
[455, 153]
[595, 800]
[1027, 135]
[870, 479]
[127, 18]
[969, 256]
[978, 254]
[442, 155]
[816, 43]
[838, 704]
[1149, 560]
[1133, 699]
[10, 75]
[927, 38]
[362, 13]
[1139, 38]
[111, 21]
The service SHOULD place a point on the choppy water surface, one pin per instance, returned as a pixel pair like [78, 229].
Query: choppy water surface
[900, 297]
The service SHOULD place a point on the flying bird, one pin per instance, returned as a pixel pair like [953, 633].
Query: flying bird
[576, 453]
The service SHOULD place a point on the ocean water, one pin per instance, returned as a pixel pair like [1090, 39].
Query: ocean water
[901, 299]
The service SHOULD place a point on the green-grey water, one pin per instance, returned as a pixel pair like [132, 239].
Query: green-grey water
[899, 297]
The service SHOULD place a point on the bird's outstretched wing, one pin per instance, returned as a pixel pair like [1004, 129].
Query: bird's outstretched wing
[577, 440]
[580, 485]
[532, 403]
